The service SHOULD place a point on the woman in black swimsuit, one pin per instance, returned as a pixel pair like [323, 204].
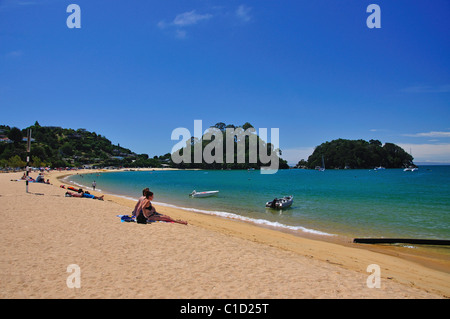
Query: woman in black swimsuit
[148, 213]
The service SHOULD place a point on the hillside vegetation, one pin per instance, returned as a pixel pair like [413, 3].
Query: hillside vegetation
[342, 153]
[61, 147]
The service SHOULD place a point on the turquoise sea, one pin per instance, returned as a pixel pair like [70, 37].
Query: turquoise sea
[351, 203]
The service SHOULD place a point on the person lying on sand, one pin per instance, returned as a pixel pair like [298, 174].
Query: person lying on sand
[147, 212]
[83, 194]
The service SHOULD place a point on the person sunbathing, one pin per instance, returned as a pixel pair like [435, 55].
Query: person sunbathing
[83, 194]
[147, 212]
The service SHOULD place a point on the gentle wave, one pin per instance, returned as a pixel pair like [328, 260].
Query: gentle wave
[258, 221]
[228, 215]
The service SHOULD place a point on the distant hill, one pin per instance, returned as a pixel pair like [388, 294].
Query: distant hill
[342, 153]
[60, 147]
[242, 139]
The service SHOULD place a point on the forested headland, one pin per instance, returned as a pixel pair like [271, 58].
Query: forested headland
[343, 153]
[244, 142]
[61, 147]
[57, 147]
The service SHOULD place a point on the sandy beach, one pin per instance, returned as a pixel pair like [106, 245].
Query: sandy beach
[43, 232]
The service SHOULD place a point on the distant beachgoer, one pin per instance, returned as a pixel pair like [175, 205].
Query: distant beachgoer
[93, 185]
[40, 178]
[83, 194]
[134, 212]
[86, 194]
[70, 194]
[147, 212]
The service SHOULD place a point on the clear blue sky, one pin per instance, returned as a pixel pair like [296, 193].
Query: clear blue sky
[136, 70]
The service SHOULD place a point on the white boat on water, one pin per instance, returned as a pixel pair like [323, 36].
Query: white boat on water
[411, 169]
[280, 203]
[203, 194]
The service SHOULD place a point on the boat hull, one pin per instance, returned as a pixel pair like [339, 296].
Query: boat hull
[281, 203]
[203, 194]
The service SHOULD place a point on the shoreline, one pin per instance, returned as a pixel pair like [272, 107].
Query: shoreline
[425, 255]
[212, 257]
[286, 239]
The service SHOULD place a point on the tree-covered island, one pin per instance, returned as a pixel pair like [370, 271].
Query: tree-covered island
[343, 153]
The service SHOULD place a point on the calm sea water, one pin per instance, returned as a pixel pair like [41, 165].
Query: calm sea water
[354, 203]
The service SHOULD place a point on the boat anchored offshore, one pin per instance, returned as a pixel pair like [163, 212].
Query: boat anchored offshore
[280, 203]
[203, 194]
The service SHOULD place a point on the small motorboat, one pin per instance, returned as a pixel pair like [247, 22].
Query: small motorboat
[280, 203]
[203, 194]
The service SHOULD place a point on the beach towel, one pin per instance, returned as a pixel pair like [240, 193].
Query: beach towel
[126, 218]
[132, 219]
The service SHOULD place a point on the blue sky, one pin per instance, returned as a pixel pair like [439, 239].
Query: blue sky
[136, 70]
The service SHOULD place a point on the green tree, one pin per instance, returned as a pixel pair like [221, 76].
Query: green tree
[67, 149]
[3, 163]
[16, 161]
[15, 135]
[36, 162]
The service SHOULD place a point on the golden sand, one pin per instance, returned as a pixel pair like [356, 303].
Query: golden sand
[43, 232]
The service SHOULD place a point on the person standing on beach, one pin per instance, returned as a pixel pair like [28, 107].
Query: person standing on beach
[93, 185]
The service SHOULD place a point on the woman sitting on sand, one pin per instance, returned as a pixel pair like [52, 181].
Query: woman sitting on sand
[135, 210]
[147, 213]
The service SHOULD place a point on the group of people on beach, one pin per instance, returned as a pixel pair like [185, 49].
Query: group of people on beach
[39, 179]
[80, 193]
[145, 212]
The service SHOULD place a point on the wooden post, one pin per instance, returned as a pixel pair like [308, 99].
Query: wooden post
[28, 155]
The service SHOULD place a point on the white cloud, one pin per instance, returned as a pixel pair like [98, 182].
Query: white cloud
[428, 152]
[183, 20]
[243, 13]
[190, 18]
[429, 134]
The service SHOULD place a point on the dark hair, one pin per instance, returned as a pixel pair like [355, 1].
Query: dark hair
[144, 191]
[148, 194]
